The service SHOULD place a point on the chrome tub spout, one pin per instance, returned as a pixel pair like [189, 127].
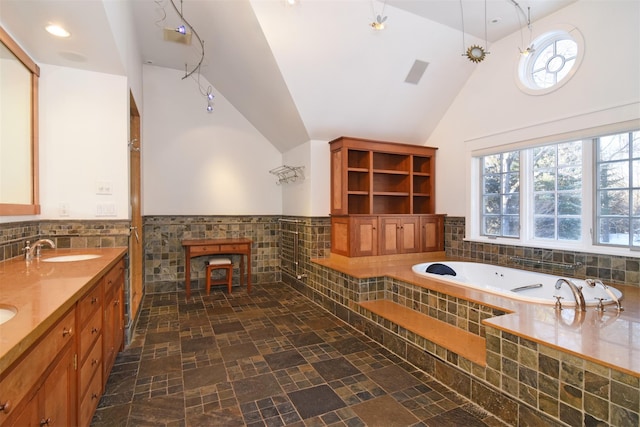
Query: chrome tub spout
[577, 293]
[593, 282]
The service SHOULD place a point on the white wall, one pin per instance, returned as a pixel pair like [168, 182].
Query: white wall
[83, 142]
[309, 197]
[491, 111]
[200, 163]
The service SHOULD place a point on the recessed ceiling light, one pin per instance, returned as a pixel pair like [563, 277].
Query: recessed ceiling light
[57, 30]
[495, 20]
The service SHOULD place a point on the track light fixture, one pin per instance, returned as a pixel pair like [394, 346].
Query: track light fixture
[186, 29]
[475, 53]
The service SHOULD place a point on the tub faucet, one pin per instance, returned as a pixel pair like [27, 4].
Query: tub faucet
[593, 282]
[576, 290]
[34, 250]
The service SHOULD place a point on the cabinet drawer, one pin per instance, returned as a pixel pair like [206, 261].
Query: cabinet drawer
[230, 248]
[205, 249]
[90, 302]
[113, 275]
[90, 366]
[30, 369]
[90, 399]
[90, 333]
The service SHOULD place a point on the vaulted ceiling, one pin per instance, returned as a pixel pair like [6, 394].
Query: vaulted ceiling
[316, 70]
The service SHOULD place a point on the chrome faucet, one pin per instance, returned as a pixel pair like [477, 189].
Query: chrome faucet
[34, 250]
[593, 282]
[576, 290]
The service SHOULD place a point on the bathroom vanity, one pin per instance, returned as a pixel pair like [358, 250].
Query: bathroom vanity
[56, 352]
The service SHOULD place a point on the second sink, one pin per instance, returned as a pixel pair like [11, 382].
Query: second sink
[6, 313]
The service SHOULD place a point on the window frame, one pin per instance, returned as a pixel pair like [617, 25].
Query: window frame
[589, 239]
[524, 79]
[631, 187]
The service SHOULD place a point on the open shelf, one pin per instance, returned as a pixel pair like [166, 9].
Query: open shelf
[390, 162]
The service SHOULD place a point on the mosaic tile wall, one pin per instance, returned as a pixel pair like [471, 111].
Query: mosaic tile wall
[164, 255]
[65, 234]
[608, 268]
[455, 311]
[565, 387]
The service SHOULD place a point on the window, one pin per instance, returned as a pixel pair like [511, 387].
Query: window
[553, 59]
[572, 194]
[557, 191]
[501, 194]
[618, 189]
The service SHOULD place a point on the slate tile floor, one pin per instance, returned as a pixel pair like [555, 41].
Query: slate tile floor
[271, 358]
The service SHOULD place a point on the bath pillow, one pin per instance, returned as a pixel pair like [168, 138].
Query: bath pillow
[441, 269]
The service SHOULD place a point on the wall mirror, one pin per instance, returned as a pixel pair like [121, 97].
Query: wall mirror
[18, 130]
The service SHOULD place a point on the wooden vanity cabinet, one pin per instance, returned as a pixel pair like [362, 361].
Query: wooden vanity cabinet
[384, 187]
[41, 388]
[59, 380]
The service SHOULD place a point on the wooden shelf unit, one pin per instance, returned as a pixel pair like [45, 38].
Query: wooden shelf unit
[372, 179]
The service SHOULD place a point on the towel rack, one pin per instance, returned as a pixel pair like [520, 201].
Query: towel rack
[287, 174]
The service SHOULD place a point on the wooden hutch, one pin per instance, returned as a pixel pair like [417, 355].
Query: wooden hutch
[383, 198]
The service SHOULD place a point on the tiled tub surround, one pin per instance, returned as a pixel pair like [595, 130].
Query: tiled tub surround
[614, 270]
[164, 254]
[539, 370]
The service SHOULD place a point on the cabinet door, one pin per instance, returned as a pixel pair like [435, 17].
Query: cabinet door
[410, 235]
[390, 235]
[58, 393]
[108, 333]
[29, 415]
[432, 233]
[399, 235]
[113, 328]
[364, 236]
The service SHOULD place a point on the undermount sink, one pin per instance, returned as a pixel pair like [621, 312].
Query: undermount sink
[6, 313]
[70, 258]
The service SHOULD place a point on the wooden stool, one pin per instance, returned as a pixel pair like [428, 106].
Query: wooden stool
[219, 264]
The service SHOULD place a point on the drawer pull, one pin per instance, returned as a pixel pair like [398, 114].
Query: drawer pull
[67, 332]
[94, 362]
[94, 300]
[94, 330]
[116, 302]
[94, 396]
[5, 407]
[45, 422]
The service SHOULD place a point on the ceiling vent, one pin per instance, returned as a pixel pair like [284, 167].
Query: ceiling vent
[172, 35]
[416, 72]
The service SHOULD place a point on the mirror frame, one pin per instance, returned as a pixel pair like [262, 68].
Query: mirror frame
[9, 209]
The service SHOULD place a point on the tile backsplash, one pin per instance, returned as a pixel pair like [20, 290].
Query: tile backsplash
[608, 268]
[65, 234]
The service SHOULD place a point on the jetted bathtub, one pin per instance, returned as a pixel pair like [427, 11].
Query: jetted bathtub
[512, 283]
